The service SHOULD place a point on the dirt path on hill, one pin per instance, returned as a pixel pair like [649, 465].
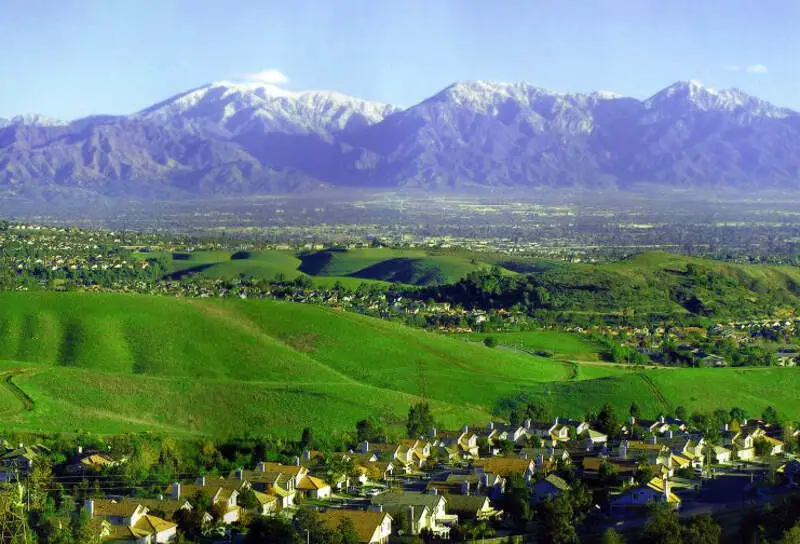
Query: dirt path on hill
[653, 388]
[25, 401]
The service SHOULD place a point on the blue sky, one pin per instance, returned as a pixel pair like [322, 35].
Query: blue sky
[69, 58]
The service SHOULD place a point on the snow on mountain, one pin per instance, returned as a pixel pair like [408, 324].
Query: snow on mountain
[32, 120]
[694, 95]
[240, 107]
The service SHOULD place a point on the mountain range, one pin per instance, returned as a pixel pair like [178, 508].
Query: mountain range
[234, 138]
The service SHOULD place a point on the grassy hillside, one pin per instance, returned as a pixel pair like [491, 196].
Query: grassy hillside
[417, 267]
[111, 363]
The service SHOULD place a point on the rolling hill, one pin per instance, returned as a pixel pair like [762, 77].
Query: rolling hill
[350, 267]
[110, 363]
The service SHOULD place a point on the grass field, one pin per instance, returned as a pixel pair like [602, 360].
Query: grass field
[110, 363]
[561, 345]
[350, 267]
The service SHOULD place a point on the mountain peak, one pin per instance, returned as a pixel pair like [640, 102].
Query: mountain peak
[33, 120]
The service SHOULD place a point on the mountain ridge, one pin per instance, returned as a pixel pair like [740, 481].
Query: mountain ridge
[234, 138]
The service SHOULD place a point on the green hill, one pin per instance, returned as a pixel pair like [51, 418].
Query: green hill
[112, 363]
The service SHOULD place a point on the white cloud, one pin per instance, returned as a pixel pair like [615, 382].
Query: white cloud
[756, 69]
[750, 69]
[273, 77]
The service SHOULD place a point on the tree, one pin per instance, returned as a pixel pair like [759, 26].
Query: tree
[635, 411]
[737, 414]
[557, 518]
[607, 472]
[663, 527]
[702, 530]
[607, 421]
[770, 415]
[490, 341]
[276, 530]
[420, 420]
[308, 520]
[792, 536]
[517, 501]
[611, 537]
[370, 430]
[347, 532]
[307, 438]
[680, 413]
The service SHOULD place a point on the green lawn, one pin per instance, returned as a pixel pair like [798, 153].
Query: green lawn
[562, 345]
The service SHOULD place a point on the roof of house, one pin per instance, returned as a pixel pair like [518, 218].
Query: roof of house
[407, 498]
[557, 482]
[292, 470]
[104, 508]
[153, 524]
[504, 466]
[467, 503]
[657, 484]
[167, 506]
[366, 522]
[264, 498]
[123, 532]
[309, 483]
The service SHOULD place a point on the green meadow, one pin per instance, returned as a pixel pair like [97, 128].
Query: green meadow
[349, 267]
[111, 363]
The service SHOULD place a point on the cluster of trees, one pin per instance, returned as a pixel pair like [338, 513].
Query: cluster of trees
[305, 527]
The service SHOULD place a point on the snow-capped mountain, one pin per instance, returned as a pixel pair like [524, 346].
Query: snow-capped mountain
[241, 107]
[250, 138]
[33, 120]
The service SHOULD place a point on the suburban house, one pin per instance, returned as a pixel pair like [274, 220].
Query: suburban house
[313, 488]
[372, 527]
[422, 510]
[505, 467]
[744, 446]
[549, 487]
[89, 462]
[222, 495]
[17, 463]
[129, 521]
[721, 454]
[476, 507]
[624, 469]
[463, 443]
[656, 490]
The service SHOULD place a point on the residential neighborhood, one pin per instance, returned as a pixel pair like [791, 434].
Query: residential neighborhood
[445, 482]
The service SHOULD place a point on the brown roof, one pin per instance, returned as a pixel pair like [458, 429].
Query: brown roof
[104, 508]
[291, 470]
[504, 466]
[167, 506]
[365, 521]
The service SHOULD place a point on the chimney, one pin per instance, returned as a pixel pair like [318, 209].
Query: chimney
[661, 419]
[239, 474]
[527, 424]
[654, 439]
[465, 487]
[623, 450]
[296, 461]
[89, 506]
[633, 420]
[80, 450]
[670, 433]
[379, 508]
[161, 497]
[540, 460]
[365, 447]
[465, 429]
[433, 432]
[307, 455]
[555, 421]
[491, 425]
[667, 489]
[176, 490]
[725, 427]
[201, 481]
[411, 521]
[261, 466]
[433, 491]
